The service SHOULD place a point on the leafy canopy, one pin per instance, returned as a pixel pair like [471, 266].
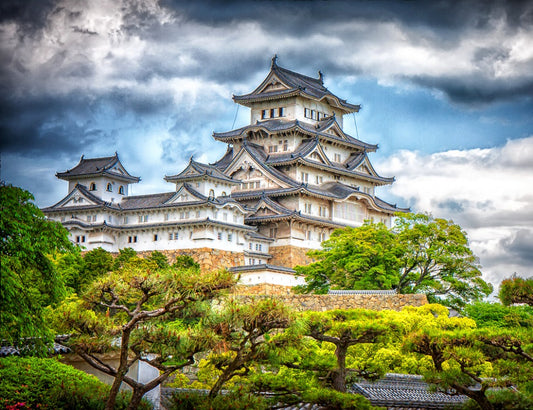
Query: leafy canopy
[420, 254]
[29, 281]
[517, 290]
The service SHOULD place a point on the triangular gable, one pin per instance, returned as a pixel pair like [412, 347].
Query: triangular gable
[76, 198]
[335, 130]
[271, 83]
[266, 207]
[318, 154]
[366, 168]
[185, 194]
[244, 163]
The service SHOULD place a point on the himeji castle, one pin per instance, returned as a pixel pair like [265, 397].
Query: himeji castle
[285, 183]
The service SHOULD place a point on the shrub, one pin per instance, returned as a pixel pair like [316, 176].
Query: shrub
[32, 382]
[198, 400]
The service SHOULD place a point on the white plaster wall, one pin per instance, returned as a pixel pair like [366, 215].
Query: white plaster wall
[274, 278]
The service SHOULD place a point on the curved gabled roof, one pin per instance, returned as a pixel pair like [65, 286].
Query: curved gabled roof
[88, 167]
[294, 84]
[278, 126]
[195, 170]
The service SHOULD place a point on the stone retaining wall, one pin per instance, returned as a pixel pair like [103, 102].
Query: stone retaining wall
[320, 303]
[289, 256]
[209, 259]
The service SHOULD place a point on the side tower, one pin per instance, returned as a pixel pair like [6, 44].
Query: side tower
[302, 175]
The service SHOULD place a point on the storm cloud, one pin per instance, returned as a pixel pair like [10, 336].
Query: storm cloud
[446, 89]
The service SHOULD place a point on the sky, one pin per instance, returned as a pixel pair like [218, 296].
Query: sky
[446, 89]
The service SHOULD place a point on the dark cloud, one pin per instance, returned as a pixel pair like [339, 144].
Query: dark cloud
[520, 246]
[480, 90]
[72, 123]
[30, 15]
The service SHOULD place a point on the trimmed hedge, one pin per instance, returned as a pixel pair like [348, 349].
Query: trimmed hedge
[31, 382]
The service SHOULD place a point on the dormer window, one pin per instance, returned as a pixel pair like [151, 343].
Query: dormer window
[109, 187]
[92, 186]
[121, 190]
[211, 194]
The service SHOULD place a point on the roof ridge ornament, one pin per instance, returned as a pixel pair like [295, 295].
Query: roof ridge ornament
[321, 77]
[274, 61]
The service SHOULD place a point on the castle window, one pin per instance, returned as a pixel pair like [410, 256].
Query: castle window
[307, 208]
[121, 190]
[307, 113]
[125, 220]
[143, 218]
[337, 158]
[132, 239]
[322, 236]
[273, 148]
[263, 114]
[285, 145]
[176, 235]
[219, 236]
[272, 112]
[211, 194]
[309, 235]
[305, 177]
[155, 237]
[273, 232]
[92, 187]
[109, 187]
[322, 211]
[166, 217]
[89, 218]
[281, 111]
[313, 114]
[170, 236]
[230, 237]
[80, 239]
[225, 216]
[319, 179]
[198, 214]
[250, 246]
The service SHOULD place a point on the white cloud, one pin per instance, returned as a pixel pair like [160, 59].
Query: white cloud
[489, 192]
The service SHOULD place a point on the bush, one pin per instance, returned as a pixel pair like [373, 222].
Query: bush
[32, 382]
[198, 400]
[497, 315]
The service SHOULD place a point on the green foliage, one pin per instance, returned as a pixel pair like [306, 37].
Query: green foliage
[29, 281]
[185, 262]
[150, 310]
[198, 400]
[70, 265]
[160, 260]
[96, 263]
[504, 400]
[124, 255]
[517, 290]
[354, 258]
[419, 255]
[436, 260]
[496, 315]
[49, 384]
[244, 332]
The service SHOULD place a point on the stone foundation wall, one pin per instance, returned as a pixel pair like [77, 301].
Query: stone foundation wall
[209, 259]
[289, 256]
[320, 303]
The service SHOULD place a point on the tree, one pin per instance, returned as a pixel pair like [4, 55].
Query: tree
[136, 304]
[124, 255]
[354, 258]
[96, 263]
[243, 332]
[419, 255]
[437, 261]
[29, 281]
[516, 290]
